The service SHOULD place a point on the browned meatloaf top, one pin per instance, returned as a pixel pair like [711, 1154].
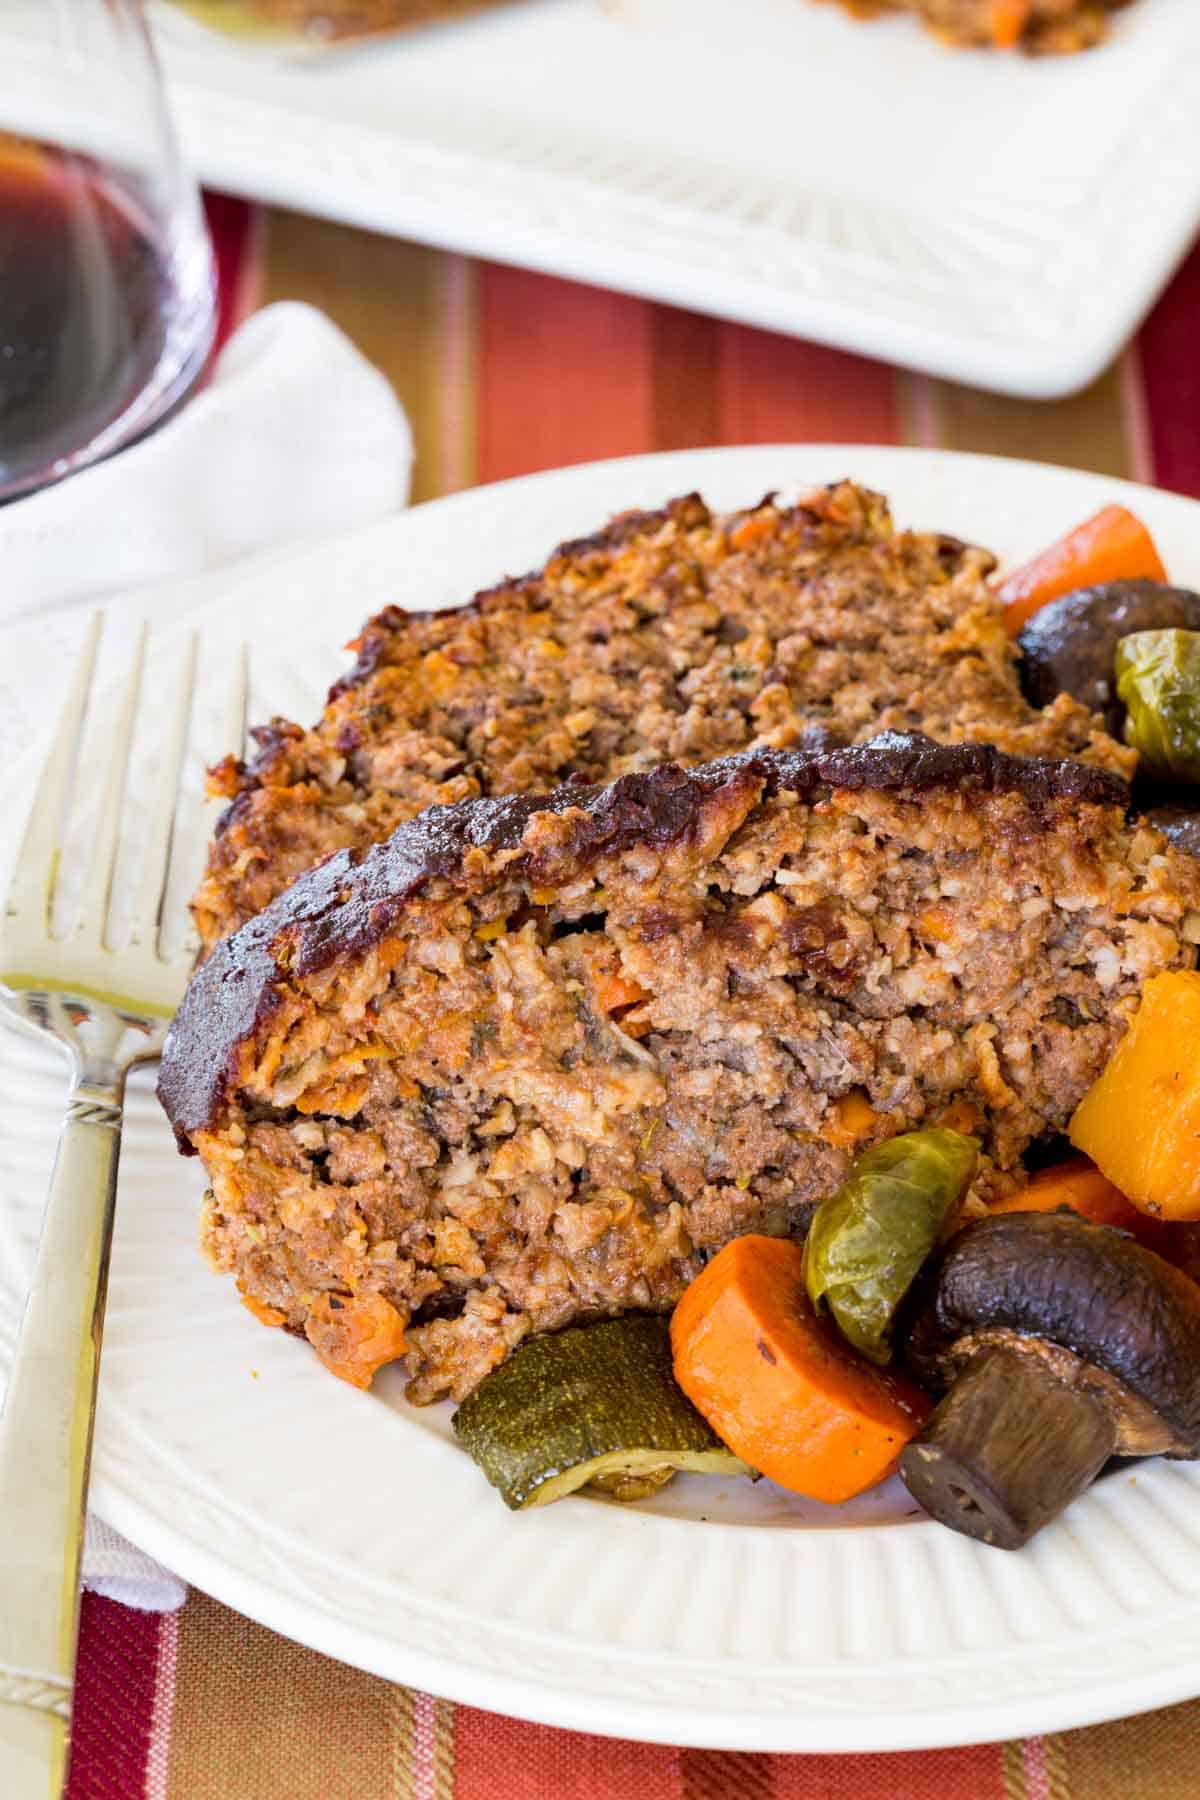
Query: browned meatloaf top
[676, 635]
[532, 1059]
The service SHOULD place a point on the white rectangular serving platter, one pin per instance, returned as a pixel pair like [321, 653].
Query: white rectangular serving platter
[995, 219]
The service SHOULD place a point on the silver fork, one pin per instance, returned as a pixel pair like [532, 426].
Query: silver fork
[109, 1009]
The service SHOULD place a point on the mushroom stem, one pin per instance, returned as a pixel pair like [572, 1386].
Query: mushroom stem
[1008, 1448]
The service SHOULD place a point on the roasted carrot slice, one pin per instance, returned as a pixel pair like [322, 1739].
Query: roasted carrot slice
[784, 1391]
[1076, 1183]
[1009, 19]
[1112, 546]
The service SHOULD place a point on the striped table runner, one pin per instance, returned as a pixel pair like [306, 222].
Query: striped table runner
[505, 372]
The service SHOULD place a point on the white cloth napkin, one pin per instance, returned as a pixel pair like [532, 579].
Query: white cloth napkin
[295, 435]
[112, 1566]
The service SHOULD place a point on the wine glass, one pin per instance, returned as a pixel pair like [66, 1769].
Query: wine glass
[106, 278]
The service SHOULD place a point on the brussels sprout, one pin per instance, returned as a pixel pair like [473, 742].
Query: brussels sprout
[1158, 678]
[868, 1241]
[1069, 645]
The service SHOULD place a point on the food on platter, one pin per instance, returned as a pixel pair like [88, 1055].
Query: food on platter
[1037, 27]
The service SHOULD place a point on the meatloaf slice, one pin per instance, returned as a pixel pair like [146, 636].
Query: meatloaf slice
[532, 1058]
[669, 636]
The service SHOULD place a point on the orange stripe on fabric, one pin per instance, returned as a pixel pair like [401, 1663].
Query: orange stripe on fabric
[258, 1716]
[1137, 415]
[501, 1759]
[569, 373]
[402, 1711]
[1058, 1775]
[444, 1784]
[777, 390]
[565, 373]
[392, 300]
[976, 1773]
[457, 449]
[1089, 430]
[1154, 1757]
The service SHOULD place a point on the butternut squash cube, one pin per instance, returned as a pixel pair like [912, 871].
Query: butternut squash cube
[1140, 1121]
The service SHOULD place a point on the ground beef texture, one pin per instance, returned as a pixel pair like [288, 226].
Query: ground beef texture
[675, 635]
[534, 1058]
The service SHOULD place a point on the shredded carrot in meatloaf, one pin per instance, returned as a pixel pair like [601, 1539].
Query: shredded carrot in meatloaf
[534, 1059]
[675, 635]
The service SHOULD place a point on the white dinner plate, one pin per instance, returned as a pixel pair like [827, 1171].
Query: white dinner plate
[721, 1614]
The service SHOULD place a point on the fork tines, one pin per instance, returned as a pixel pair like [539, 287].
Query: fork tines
[129, 808]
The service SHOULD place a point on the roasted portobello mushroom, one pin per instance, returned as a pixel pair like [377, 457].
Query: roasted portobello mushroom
[1057, 1344]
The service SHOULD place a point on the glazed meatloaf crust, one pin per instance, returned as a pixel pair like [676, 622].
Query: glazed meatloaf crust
[532, 1058]
[669, 636]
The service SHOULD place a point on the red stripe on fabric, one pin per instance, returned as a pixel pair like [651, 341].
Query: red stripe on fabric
[976, 1772]
[230, 225]
[686, 351]
[777, 390]
[496, 1757]
[726, 1775]
[564, 373]
[114, 1701]
[1169, 348]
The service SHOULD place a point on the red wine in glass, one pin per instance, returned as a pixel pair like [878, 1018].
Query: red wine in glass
[90, 315]
[106, 284]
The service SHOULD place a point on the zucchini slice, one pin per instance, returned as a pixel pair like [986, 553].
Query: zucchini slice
[595, 1403]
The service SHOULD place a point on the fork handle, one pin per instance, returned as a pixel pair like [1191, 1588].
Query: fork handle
[46, 1445]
